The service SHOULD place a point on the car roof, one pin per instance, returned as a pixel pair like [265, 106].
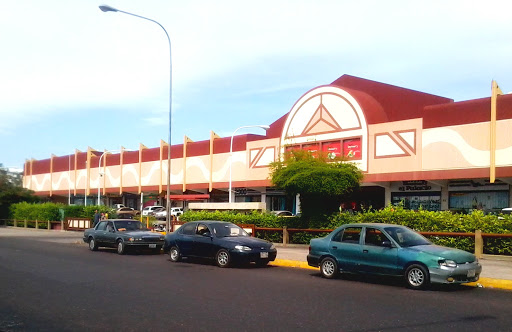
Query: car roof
[210, 222]
[373, 224]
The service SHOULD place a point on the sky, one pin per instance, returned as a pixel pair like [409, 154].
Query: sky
[73, 77]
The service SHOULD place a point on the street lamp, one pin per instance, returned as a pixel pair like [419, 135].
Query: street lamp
[106, 8]
[231, 154]
[101, 174]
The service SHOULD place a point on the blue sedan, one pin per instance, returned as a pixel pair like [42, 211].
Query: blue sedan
[224, 242]
[391, 250]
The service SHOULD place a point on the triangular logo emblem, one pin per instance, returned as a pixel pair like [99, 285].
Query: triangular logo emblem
[321, 122]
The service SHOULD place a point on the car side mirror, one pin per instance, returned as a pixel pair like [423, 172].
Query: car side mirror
[387, 244]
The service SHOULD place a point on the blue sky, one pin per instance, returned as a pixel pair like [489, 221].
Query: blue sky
[72, 76]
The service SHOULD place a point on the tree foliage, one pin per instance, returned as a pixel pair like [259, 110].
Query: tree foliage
[321, 182]
[11, 191]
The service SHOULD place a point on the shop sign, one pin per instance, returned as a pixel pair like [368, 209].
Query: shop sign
[420, 185]
[352, 148]
[332, 149]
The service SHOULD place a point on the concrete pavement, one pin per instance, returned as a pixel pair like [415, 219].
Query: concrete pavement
[496, 270]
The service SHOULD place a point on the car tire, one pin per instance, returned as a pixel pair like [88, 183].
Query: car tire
[93, 245]
[417, 277]
[121, 247]
[174, 254]
[329, 268]
[223, 258]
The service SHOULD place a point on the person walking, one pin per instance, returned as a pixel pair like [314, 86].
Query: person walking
[96, 218]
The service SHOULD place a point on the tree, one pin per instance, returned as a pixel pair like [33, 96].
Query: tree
[11, 191]
[321, 182]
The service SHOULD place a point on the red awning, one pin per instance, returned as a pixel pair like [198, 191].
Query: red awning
[189, 197]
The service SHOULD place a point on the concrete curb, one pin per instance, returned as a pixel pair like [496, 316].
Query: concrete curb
[482, 282]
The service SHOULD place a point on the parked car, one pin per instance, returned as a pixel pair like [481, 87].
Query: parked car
[225, 243]
[127, 212]
[282, 213]
[148, 210]
[118, 206]
[391, 250]
[123, 234]
[162, 214]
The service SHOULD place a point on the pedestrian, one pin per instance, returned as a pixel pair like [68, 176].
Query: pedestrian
[96, 218]
[102, 216]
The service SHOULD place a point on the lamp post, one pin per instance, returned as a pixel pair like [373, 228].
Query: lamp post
[231, 154]
[106, 8]
[101, 174]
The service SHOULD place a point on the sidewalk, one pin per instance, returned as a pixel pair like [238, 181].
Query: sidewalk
[496, 270]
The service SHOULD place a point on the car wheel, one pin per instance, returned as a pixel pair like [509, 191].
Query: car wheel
[93, 246]
[121, 248]
[329, 268]
[417, 277]
[174, 254]
[222, 258]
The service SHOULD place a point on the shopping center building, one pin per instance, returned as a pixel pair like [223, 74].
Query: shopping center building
[411, 146]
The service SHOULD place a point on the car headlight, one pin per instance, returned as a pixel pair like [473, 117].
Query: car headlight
[242, 248]
[447, 263]
[131, 239]
[272, 247]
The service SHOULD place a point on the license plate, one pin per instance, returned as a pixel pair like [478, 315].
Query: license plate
[471, 273]
[263, 254]
[152, 245]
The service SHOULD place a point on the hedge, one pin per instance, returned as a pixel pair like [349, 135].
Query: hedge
[421, 221]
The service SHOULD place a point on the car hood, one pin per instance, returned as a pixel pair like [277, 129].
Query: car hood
[457, 255]
[141, 233]
[246, 241]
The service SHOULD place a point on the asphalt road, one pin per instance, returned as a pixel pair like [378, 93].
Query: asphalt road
[50, 286]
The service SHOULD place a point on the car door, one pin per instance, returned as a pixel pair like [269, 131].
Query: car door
[100, 232]
[110, 234]
[377, 254]
[185, 239]
[203, 242]
[346, 248]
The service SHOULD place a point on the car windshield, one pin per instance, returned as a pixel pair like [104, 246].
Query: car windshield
[228, 229]
[129, 225]
[406, 237]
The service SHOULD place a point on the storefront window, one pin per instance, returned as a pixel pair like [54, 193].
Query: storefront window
[413, 201]
[489, 201]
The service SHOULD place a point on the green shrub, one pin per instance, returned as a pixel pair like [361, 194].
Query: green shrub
[421, 221]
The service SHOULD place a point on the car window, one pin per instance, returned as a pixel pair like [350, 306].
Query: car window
[406, 237]
[351, 235]
[128, 225]
[374, 237]
[202, 229]
[337, 237]
[102, 226]
[188, 229]
[228, 229]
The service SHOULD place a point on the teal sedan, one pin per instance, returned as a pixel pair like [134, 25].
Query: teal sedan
[386, 249]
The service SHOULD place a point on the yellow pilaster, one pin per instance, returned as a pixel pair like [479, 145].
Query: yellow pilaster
[185, 141]
[141, 147]
[213, 136]
[495, 91]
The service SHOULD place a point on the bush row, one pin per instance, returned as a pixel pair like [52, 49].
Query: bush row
[56, 211]
[421, 221]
